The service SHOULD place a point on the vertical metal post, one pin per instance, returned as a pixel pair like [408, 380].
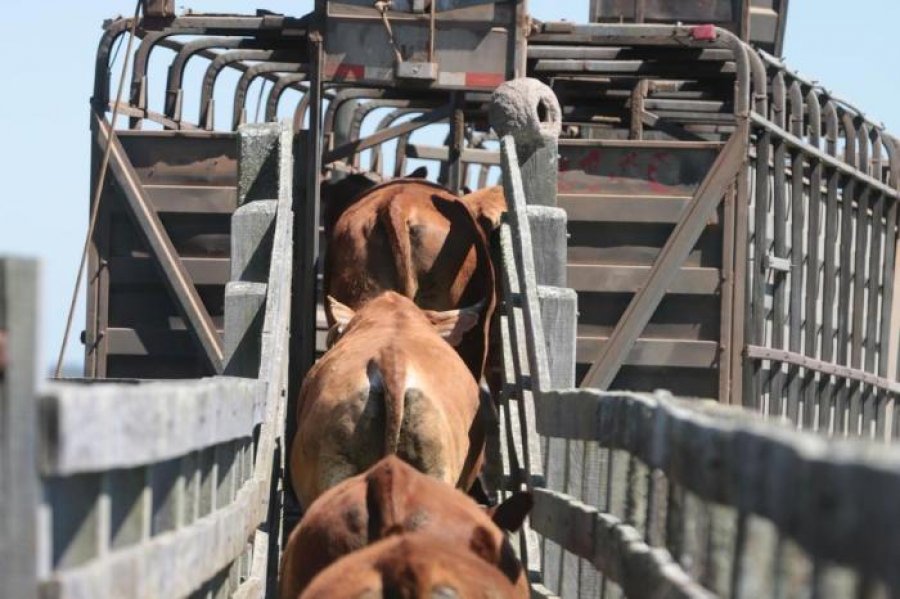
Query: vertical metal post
[18, 428]
[457, 139]
[307, 176]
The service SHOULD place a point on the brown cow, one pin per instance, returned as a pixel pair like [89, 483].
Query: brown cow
[390, 385]
[416, 566]
[418, 239]
[487, 206]
[390, 498]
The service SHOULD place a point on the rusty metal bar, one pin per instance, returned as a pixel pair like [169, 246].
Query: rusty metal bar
[175, 79]
[173, 272]
[274, 97]
[388, 121]
[810, 392]
[779, 205]
[665, 267]
[206, 115]
[846, 168]
[455, 170]
[829, 368]
[757, 324]
[796, 275]
[239, 112]
[831, 235]
[380, 137]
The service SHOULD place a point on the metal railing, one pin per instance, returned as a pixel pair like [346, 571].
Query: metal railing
[821, 337]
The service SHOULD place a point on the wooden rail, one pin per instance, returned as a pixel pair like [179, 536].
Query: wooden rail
[646, 495]
[160, 489]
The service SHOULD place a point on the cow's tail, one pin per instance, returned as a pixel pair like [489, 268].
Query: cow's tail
[389, 370]
[396, 227]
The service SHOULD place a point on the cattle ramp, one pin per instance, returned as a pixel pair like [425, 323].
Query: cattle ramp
[684, 213]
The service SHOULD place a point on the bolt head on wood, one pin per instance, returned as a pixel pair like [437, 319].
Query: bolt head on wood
[526, 109]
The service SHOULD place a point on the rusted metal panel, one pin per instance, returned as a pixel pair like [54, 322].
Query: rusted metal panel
[460, 44]
[630, 170]
[760, 22]
[707, 197]
[190, 180]
[666, 11]
[194, 159]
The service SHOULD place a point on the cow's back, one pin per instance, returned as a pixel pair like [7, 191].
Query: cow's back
[414, 566]
[442, 432]
[391, 498]
[448, 265]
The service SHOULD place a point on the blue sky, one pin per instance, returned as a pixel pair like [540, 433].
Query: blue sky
[49, 47]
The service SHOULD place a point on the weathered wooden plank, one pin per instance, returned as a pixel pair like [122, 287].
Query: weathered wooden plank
[188, 556]
[792, 479]
[549, 245]
[92, 428]
[192, 199]
[252, 232]
[629, 279]
[19, 486]
[614, 548]
[658, 352]
[274, 352]
[626, 209]
[169, 342]
[140, 271]
[559, 314]
[244, 314]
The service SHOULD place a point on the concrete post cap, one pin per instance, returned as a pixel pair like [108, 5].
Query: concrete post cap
[526, 109]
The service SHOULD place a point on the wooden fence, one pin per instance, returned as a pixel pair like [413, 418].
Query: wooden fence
[653, 496]
[159, 489]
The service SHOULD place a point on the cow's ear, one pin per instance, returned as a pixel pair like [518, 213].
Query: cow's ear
[484, 545]
[453, 324]
[419, 173]
[510, 514]
[342, 314]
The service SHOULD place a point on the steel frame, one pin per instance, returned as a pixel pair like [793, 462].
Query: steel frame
[627, 65]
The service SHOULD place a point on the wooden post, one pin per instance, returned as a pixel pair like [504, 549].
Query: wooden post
[19, 485]
[529, 111]
[252, 230]
[244, 313]
[559, 313]
[550, 245]
[258, 162]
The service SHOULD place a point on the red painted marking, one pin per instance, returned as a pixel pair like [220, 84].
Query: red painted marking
[656, 160]
[704, 33]
[590, 162]
[628, 161]
[351, 72]
[484, 79]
